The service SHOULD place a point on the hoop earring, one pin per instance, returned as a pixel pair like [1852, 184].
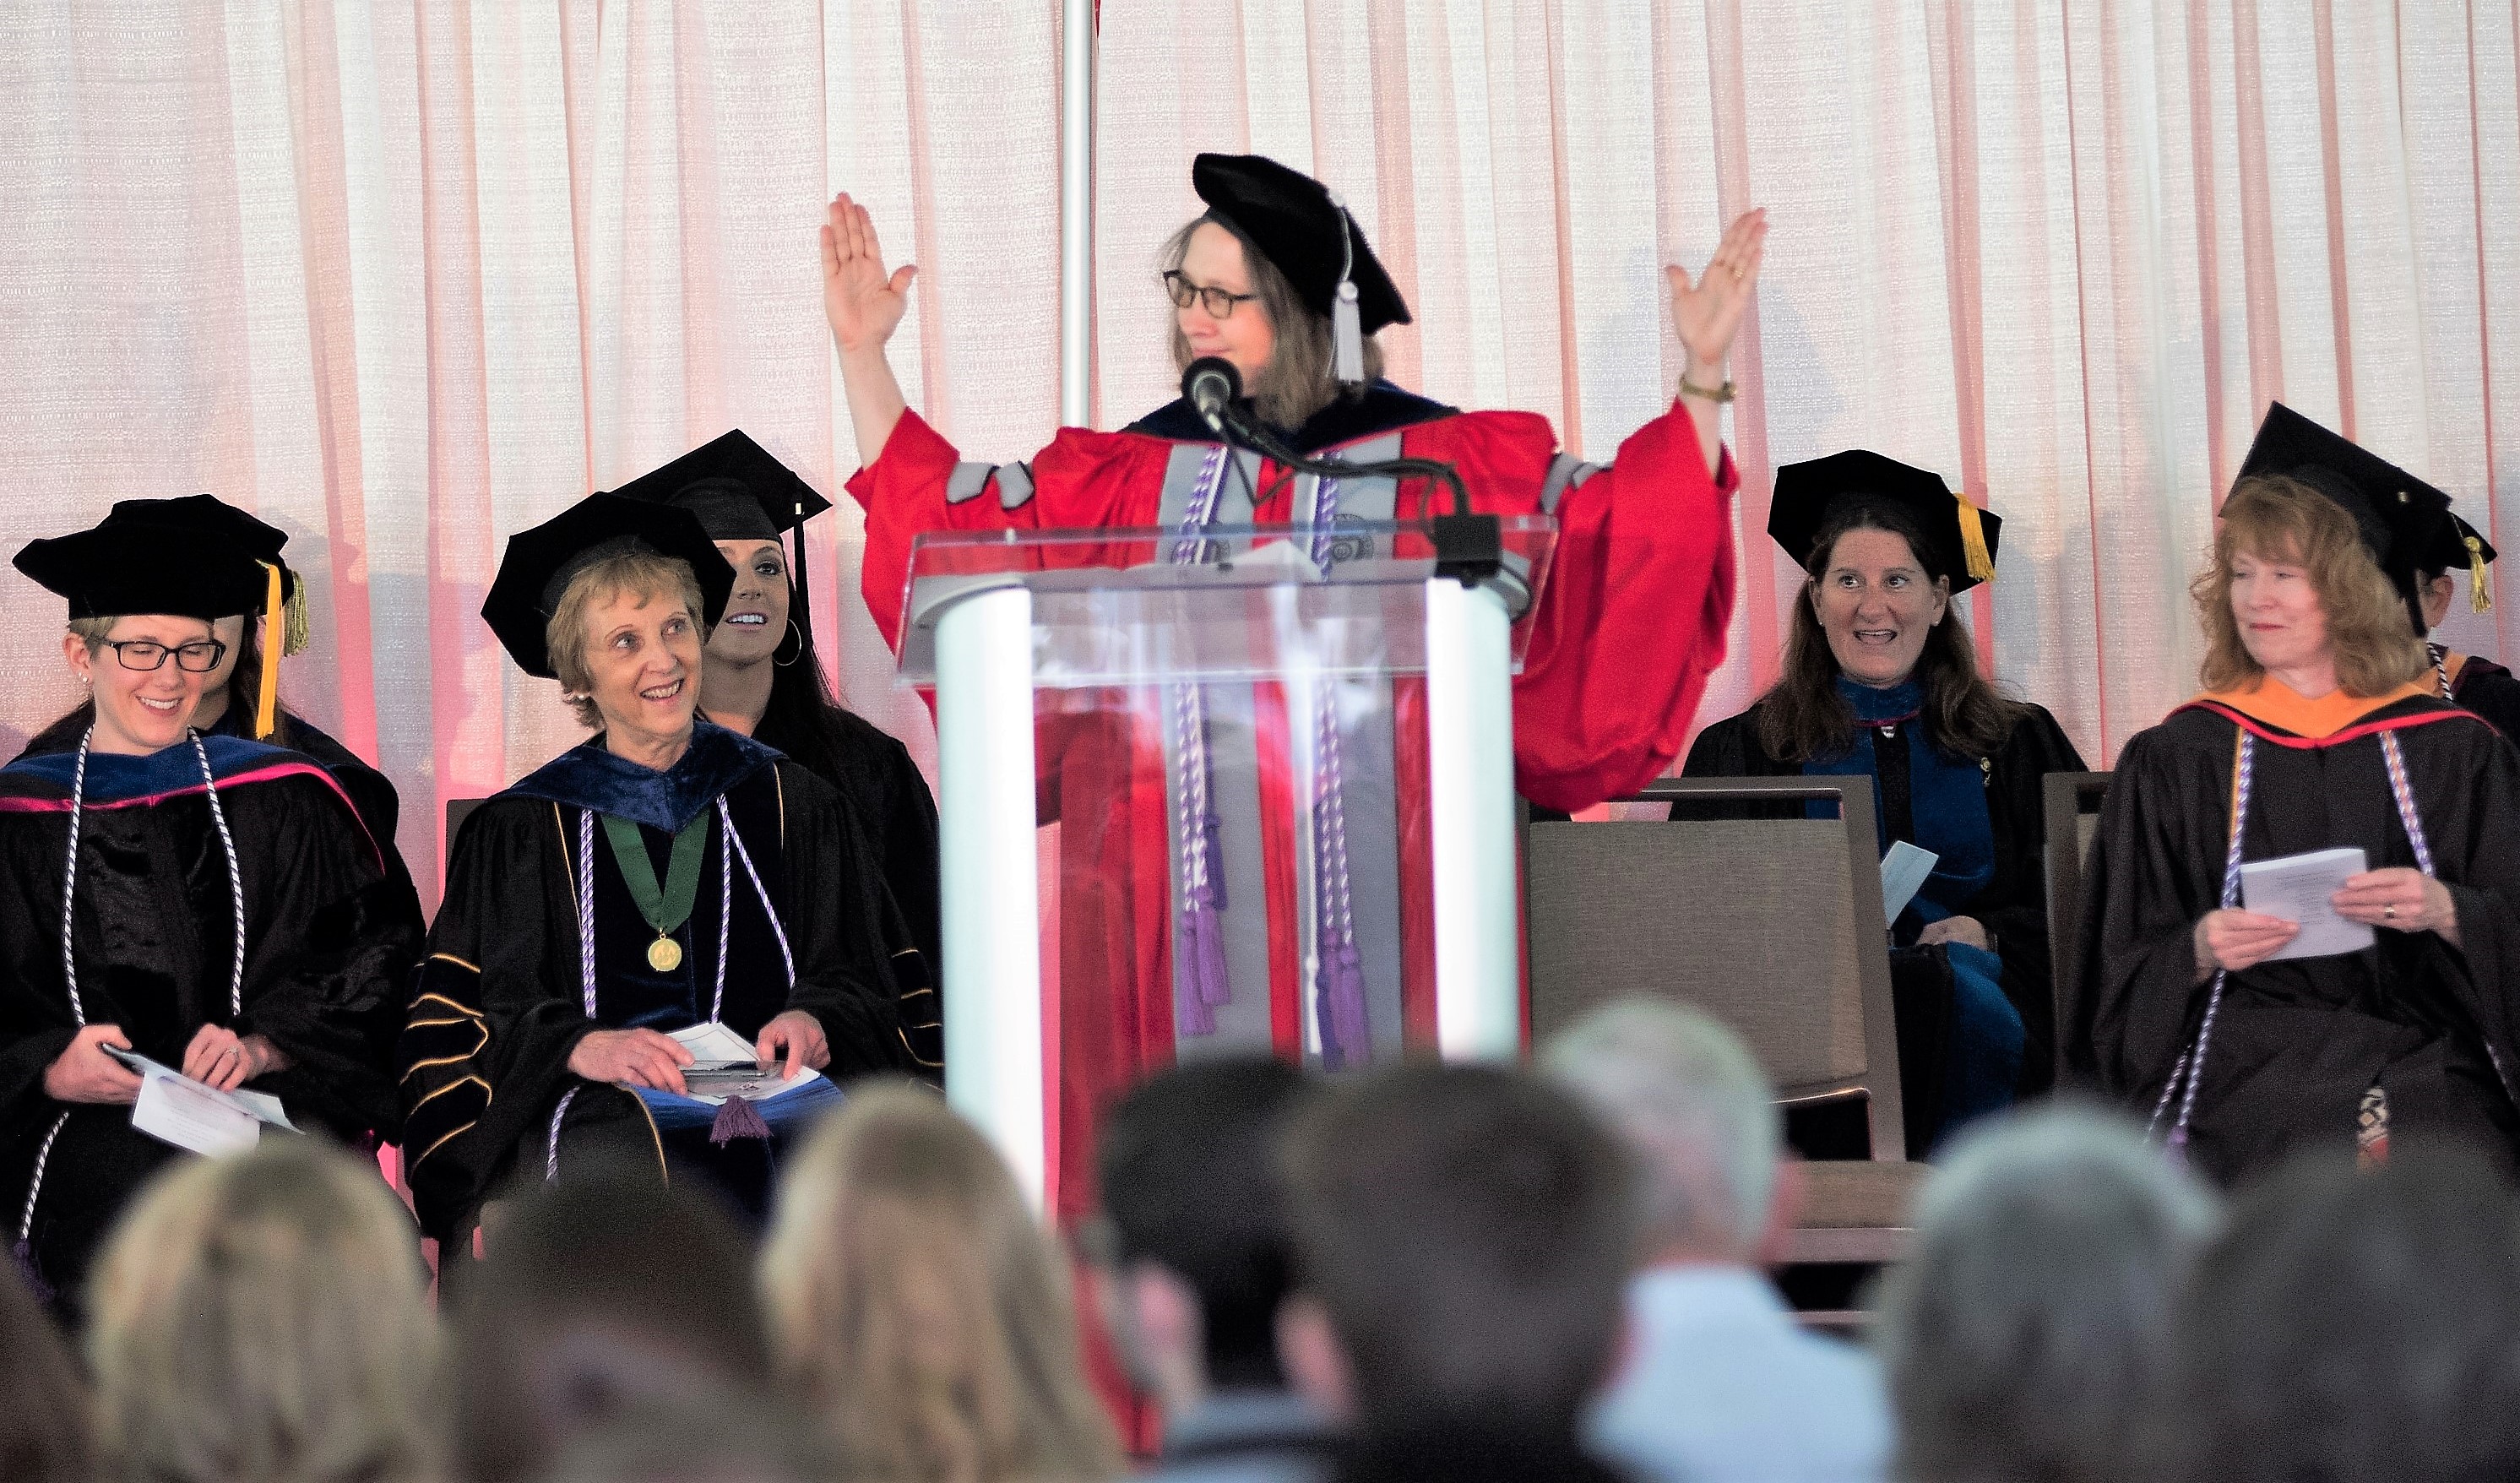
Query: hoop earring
[793, 632]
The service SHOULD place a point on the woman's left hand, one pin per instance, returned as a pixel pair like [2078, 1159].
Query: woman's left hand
[798, 1036]
[2399, 898]
[222, 1059]
[1708, 312]
[1968, 931]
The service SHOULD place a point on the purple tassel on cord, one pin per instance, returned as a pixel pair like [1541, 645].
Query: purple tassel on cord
[1347, 1042]
[737, 1118]
[35, 1283]
[1207, 987]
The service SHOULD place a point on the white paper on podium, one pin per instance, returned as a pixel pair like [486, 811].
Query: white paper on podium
[1904, 872]
[2297, 888]
[174, 1109]
[714, 1041]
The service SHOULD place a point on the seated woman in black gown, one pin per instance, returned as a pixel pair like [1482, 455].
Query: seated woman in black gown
[1881, 680]
[212, 903]
[2322, 728]
[241, 697]
[667, 875]
[765, 680]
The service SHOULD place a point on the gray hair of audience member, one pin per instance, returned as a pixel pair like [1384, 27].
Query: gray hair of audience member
[266, 1316]
[921, 1311]
[725, 1438]
[2357, 1325]
[44, 1425]
[1694, 1110]
[1468, 1232]
[2028, 1332]
[597, 1299]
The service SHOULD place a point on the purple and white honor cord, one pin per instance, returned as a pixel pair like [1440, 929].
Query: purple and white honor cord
[70, 958]
[730, 850]
[1340, 992]
[1203, 901]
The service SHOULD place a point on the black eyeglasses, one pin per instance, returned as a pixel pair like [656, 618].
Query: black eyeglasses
[1218, 302]
[146, 655]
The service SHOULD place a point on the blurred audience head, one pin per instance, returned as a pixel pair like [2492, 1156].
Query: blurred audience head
[1698, 1118]
[597, 1300]
[729, 1437]
[44, 1425]
[266, 1316]
[2357, 1326]
[921, 1313]
[2028, 1332]
[1462, 1238]
[1194, 1234]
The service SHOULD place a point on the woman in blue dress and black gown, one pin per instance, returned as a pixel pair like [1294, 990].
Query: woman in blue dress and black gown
[664, 876]
[1881, 680]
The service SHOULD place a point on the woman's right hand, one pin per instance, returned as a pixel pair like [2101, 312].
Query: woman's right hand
[642, 1057]
[863, 303]
[84, 1073]
[2231, 940]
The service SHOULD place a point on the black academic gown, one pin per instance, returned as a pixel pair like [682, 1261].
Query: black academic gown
[2297, 1044]
[370, 792]
[898, 814]
[2012, 907]
[2488, 690]
[499, 1004]
[327, 948]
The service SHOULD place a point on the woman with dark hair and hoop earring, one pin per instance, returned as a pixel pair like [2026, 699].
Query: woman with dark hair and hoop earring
[764, 679]
[1881, 680]
[210, 903]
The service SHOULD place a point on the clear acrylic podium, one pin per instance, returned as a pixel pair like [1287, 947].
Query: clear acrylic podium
[1315, 725]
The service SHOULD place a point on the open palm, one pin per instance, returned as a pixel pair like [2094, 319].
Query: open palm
[1707, 313]
[863, 302]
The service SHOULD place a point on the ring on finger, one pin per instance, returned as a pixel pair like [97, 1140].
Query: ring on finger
[2389, 912]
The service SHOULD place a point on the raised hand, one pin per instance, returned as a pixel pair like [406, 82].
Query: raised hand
[862, 302]
[1707, 313]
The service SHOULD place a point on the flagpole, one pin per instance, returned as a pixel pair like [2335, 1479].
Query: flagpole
[1076, 213]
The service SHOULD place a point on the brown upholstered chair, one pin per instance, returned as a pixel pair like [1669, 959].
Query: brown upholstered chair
[457, 811]
[1773, 926]
[2073, 814]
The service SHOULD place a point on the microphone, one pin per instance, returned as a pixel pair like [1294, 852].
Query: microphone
[1210, 385]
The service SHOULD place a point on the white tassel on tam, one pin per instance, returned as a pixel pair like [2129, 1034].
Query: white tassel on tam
[1347, 338]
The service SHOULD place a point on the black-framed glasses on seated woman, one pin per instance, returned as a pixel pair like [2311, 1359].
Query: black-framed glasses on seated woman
[146, 655]
[1218, 302]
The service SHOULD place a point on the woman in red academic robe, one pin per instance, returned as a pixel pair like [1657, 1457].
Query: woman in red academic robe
[1182, 924]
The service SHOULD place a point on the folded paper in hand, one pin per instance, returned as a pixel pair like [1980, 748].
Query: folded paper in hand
[2298, 888]
[714, 1042]
[174, 1109]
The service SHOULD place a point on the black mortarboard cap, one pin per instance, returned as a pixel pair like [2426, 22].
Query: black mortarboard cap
[738, 490]
[212, 516]
[1959, 538]
[1294, 222]
[540, 561]
[136, 567]
[2397, 513]
[2457, 546]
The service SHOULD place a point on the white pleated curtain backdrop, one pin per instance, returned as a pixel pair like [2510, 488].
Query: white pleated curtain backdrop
[407, 277]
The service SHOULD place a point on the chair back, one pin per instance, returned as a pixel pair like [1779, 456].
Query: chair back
[2072, 808]
[1774, 926]
[457, 811]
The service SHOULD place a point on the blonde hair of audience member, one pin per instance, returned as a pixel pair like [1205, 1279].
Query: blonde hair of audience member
[2270, 518]
[1689, 1100]
[2029, 1331]
[266, 1316]
[921, 1311]
[642, 575]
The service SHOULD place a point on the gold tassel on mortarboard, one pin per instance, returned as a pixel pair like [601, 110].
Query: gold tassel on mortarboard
[266, 712]
[2480, 598]
[1981, 566]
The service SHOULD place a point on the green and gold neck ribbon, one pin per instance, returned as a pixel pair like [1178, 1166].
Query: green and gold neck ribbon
[668, 906]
